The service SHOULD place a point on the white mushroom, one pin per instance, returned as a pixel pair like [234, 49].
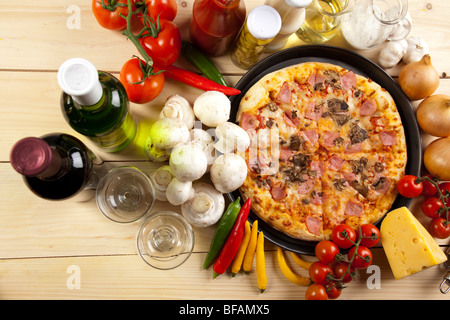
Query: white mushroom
[167, 133]
[188, 162]
[228, 172]
[178, 192]
[154, 153]
[212, 108]
[231, 138]
[206, 207]
[161, 178]
[178, 107]
[205, 140]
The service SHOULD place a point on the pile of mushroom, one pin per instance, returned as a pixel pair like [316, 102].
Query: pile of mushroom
[192, 151]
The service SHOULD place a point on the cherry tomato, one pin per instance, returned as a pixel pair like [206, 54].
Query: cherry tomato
[408, 187]
[316, 292]
[164, 9]
[340, 271]
[444, 187]
[326, 251]
[145, 91]
[370, 235]
[108, 13]
[343, 236]
[362, 259]
[318, 272]
[439, 228]
[431, 206]
[333, 290]
[428, 188]
[165, 48]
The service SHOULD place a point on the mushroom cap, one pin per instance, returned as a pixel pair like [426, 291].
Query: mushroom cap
[161, 178]
[178, 192]
[228, 172]
[206, 207]
[212, 108]
[178, 107]
[188, 162]
[167, 133]
[154, 153]
[231, 138]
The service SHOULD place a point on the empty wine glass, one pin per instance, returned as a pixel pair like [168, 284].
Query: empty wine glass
[165, 240]
[125, 194]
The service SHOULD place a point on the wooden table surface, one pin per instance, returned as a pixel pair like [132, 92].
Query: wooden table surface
[66, 250]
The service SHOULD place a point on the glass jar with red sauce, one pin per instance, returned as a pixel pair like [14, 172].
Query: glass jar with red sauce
[215, 24]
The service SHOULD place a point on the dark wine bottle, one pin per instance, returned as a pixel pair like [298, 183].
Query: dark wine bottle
[95, 104]
[55, 166]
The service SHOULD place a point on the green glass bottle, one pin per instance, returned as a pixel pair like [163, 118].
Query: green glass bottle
[95, 104]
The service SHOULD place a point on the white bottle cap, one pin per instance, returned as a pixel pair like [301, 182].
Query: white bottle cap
[78, 77]
[264, 22]
[298, 3]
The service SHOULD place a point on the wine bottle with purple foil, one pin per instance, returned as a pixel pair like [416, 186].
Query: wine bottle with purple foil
[56, 166]
[96, 105]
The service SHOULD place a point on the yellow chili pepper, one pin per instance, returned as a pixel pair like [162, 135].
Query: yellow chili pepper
[288, 273]
[237, 262]
[250, 252]
[302, 263]
[261, 263]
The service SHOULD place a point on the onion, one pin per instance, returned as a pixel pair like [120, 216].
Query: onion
[433, 115]
[419, 79]
[437, 158]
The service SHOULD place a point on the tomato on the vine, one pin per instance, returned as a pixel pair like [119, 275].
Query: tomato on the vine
[370, 235]
[431, 206]
[318, 272]
[343, 236]
[316, 292]
[409, 187]
[326, 251]
[164, 9]
[362, 258]
[444, 187]
[108, 13]
[163, 43]
[342, 271]
[439, 228]
[333, 290]
[141, 88]
[429, 189]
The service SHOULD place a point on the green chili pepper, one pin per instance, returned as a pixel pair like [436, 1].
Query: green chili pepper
[199, 60]
[223, 230]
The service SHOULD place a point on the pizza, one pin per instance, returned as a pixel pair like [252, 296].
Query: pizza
[327, 147]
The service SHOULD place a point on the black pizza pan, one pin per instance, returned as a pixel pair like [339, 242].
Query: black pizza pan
[358, 64]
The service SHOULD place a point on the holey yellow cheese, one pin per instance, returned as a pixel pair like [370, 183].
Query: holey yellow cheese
[408, 245]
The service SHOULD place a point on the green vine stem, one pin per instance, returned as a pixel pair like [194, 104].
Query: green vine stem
[444, 198]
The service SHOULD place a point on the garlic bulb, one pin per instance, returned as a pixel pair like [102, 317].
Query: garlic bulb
[392, 53]
[417, 48]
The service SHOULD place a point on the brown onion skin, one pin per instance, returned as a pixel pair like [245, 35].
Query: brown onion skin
[433, 115]
[419, 79]
[437, 158]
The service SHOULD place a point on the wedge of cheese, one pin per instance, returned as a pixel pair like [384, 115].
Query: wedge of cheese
[408, 245]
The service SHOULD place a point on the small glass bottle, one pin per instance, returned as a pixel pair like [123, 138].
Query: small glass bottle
[292, 14]
[56, 166]
[262, 25]
[95, 104]
[215, 24]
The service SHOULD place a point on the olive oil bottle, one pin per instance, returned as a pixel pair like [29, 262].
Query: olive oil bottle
[95, 104]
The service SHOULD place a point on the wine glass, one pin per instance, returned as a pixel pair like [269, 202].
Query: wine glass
[165, 240]
[125, 194]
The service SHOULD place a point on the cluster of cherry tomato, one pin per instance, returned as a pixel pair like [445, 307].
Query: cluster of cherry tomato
[436, 202]
[334, 270]
[159, 39]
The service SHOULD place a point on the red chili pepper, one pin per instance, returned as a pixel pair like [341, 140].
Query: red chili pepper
[233, 242]
[197, 81]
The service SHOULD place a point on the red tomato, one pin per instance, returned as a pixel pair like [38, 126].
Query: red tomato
[164, 9]
[439, 228]
[408, 187]
[165, 48]
[428, 188]
[343, 236]
[316, 292]
[370, 235]
[431, 206]
[362, 259]
[108, 14]
[318, 272]
[444, 187]
[333, 290]
[342, 271]
[146, 90]
[326, 251]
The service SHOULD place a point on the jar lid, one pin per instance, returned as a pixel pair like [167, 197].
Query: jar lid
[78, 77]
[298, 3]
[264, 22]
[31, 156]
